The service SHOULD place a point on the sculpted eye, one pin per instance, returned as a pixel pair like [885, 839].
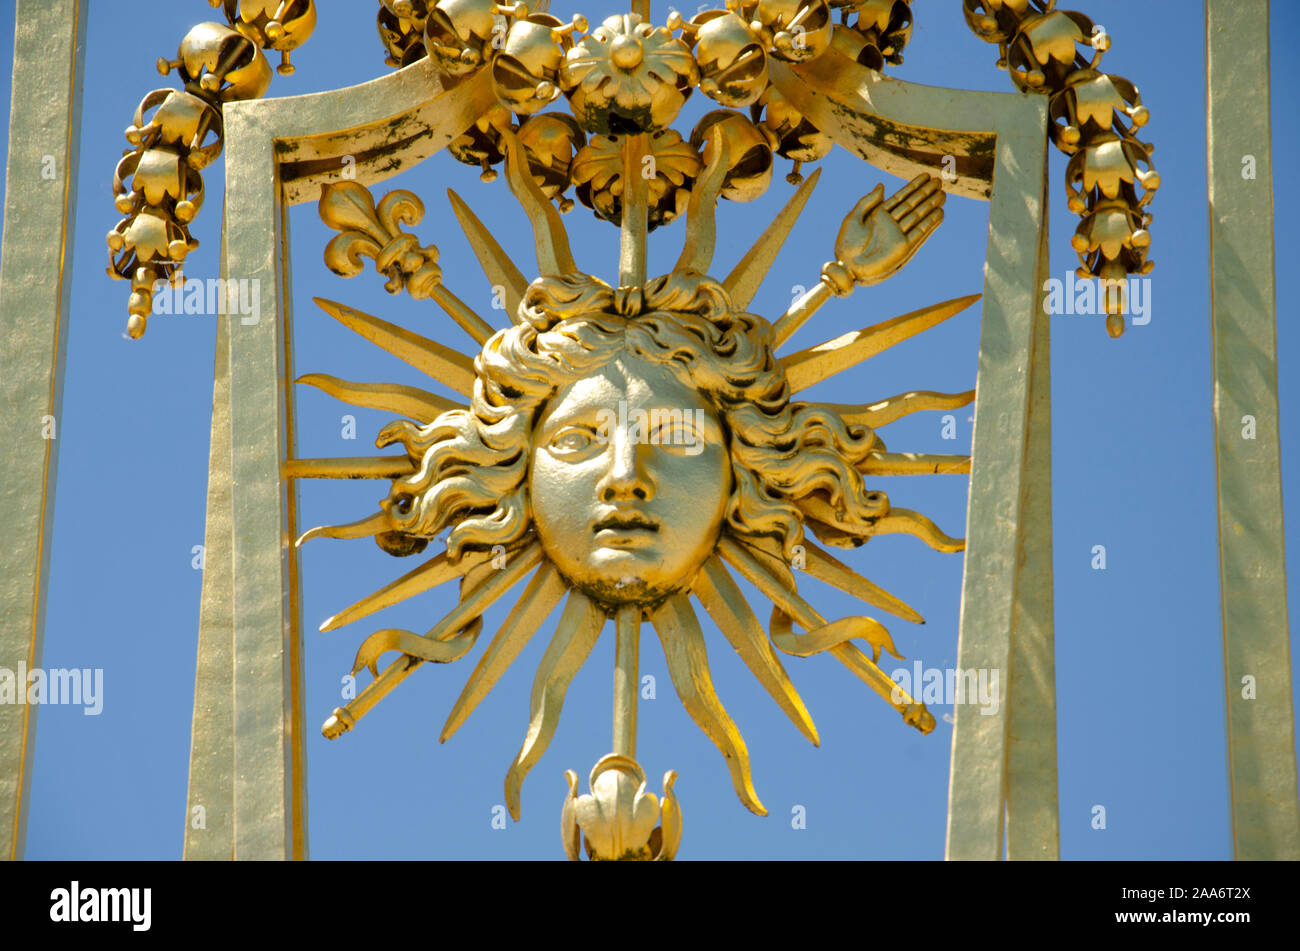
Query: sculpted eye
[572, 440]
[676, 432]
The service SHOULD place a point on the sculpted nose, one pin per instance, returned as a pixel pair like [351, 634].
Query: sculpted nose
[626, 479]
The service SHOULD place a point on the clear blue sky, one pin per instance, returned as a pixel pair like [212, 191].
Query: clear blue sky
[1139, 653]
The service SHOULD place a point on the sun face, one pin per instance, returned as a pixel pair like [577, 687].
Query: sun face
[629, 481]
[630, 452]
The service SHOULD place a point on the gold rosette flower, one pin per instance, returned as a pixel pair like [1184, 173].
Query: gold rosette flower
[628, 76]
[598, 176]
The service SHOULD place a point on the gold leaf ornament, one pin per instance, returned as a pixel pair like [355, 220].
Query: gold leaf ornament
[617, 819]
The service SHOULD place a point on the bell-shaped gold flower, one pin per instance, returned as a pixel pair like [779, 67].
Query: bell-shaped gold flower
[183, 120]
[885, 26]
[551, 141]
[749, 164]
[795, 30]
[996, 21]
[480, 144]
[796, 137]
[159, 177]
[1112, 228]
[459, 34]
[525, 72]
[1107, 164]
[281, 25]
[628, 76]
[401, 30]
[215, 61]
[616, 820]
[731, 57]
[151, 235]
[1091, 100]
[1044, 49]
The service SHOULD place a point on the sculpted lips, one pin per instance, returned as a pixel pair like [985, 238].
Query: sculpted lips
[621, 522]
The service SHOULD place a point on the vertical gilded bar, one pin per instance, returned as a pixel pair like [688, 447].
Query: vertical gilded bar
[1000, 513]
[1243, 327]
[35, 288]
[260, 618]
[1033, 815]
[210, 805]
[268, 770]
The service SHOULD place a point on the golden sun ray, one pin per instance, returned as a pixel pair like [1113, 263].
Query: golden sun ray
[896, 521]
[554, 257]
[914, 463]
[831, 635]
[409, 401]
[725, 603]
[701, 222]
[432, 646]
[449, 367]
[688, 665]
[746, 277]
[545, 590]
[815, 364]
[468, 611]
[739, 556]
[886, 411]
[907, 522]
[500, 270]
[350, 467]
[825, 567]
[361, 528]
[575, 636]
[435, 571]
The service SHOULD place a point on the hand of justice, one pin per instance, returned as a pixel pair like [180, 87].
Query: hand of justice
[881, 234]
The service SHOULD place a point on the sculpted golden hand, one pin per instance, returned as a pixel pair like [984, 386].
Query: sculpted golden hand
[880, 235]
[877, 238]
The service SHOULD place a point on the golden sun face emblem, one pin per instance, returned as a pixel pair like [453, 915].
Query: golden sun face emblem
[629, 450]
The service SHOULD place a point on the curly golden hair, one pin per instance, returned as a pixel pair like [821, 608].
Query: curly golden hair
[472, 465]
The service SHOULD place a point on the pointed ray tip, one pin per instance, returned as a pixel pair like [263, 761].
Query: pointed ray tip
[361, 528]
[333, 308]
[512, 792]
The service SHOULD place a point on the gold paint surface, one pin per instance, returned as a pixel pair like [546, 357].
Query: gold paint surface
[997, 514]
[1033, 821]
[212, 730]
[1252, 555]
[35, 284]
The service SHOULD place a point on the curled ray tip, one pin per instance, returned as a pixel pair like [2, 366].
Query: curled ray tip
[908, 522]
[370, 525]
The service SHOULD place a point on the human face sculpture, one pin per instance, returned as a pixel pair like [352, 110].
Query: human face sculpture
[629, 481]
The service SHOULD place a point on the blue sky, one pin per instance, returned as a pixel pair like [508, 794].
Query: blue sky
[1139, 652]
